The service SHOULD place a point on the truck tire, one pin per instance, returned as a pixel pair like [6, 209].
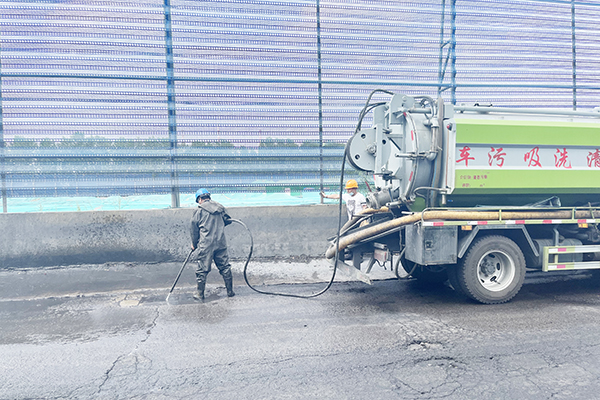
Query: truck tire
[492, 271]
[453, 279]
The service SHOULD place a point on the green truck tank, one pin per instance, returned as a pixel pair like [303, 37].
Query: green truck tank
[475, 195]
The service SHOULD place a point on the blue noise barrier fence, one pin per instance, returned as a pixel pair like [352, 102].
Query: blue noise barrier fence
[102, 98]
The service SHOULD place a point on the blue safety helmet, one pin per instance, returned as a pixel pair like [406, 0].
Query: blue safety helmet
[202, 193]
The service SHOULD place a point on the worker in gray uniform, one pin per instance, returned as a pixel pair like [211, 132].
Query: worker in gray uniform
[208, 236]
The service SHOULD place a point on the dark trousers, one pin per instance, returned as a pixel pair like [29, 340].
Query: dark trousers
[221, 259]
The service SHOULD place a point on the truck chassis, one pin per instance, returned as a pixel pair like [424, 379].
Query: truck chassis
[483, 259]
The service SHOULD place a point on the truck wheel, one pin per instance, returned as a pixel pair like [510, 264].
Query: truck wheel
[492, 271]
[453, 279]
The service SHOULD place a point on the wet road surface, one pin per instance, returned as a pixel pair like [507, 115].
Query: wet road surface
[392, 340]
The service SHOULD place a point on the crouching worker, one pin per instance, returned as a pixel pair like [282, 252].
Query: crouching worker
[208, 236]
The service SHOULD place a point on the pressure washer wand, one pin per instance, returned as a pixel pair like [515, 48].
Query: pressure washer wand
[179, 274]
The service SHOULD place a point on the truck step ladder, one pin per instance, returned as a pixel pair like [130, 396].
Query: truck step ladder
[551, 254]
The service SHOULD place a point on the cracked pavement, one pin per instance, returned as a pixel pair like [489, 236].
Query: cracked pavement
[392, 340]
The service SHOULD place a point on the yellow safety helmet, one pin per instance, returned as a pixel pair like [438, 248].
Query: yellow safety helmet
[351, 184]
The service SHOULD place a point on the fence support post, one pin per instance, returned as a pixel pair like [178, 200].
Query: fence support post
[171, 107]
[320, 86]
[574, 51]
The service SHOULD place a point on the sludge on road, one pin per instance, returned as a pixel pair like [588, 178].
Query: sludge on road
[394, 339]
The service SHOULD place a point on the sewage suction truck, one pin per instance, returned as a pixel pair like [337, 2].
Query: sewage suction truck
[474, 195]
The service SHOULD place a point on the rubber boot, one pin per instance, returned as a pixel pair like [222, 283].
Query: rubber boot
[229, 286]
[199, 294]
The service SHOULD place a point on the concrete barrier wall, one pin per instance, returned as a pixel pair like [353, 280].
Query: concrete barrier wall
[32, 240]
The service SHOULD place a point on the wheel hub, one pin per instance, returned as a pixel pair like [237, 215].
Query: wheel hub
[488, 266]
[496, 271]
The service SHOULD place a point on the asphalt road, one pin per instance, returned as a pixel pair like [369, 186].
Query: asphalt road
[392, 340]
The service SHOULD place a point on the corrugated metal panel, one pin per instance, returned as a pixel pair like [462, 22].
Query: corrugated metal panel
[246, 63]
[515, 53]
[69, 58]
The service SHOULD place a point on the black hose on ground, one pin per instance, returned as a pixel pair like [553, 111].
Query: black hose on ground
[276, 293]
[363, 112]
[337, 245]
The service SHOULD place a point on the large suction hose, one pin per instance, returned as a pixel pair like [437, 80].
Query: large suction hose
[456, 215]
